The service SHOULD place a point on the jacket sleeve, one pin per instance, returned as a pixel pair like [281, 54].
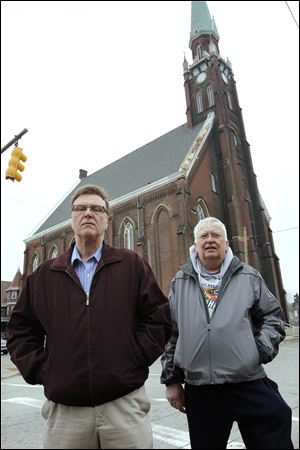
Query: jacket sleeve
[154, 317]
[170, 373]
[268, 322]
[26, 338]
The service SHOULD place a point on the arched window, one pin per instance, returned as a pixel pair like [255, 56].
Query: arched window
[210, 96]
[199, 51]
[213, 182]
[199, 102]
[35, 262]
[128, 236]
[229, 99]
[53, 252]
[235, 141]
[248, 201]
[200, 212]
[201, 209]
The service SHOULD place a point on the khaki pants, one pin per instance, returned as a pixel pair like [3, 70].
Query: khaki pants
[122, 423]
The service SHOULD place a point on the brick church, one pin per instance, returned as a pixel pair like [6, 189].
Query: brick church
[202, 168]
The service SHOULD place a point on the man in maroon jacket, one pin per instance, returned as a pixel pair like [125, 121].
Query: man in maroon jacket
[87, 326]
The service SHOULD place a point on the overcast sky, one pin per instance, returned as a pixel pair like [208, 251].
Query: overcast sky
[93, 81]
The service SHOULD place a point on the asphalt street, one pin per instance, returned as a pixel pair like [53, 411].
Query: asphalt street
[22, 424]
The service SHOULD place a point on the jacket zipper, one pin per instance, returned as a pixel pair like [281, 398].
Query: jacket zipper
[87, 299]
[208, 318]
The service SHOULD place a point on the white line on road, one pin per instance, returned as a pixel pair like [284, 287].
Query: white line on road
[22, 385]
[168, 435]
[25, 401]
[171, 436]
[180, 439]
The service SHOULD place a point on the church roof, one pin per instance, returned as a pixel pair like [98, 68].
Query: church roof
[154, 161]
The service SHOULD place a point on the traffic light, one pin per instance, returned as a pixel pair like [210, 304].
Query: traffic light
[15, 164]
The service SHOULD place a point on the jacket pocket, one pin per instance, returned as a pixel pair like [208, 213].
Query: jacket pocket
[44, 371]
[136, 351]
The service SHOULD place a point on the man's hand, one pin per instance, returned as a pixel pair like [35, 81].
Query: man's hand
[175, 396]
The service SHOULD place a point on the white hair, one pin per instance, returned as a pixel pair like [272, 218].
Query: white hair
[207, 222]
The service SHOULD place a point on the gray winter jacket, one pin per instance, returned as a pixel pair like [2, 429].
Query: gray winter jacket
[244, 331]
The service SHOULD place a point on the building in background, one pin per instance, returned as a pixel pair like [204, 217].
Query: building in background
[294, 311]
[202, 168]
[10, 291]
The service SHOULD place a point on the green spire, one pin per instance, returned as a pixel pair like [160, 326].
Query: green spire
[201, 21]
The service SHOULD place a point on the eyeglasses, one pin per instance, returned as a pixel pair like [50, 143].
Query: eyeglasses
[96, 209]
[215, 236]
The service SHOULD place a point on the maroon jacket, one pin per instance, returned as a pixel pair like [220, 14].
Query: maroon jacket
[96, 352]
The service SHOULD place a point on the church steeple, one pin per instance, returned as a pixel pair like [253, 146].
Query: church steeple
[201, 22]
[203, 77]
[204, 36]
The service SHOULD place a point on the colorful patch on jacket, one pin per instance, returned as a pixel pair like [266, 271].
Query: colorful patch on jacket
[210, 294]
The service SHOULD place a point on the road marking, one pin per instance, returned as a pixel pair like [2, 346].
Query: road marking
[235, 444]
[22, 385]
[180, 439]
[25, 401]
[168, 435]
[171, 436]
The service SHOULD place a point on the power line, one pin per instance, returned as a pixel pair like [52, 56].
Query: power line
[291, 14]
[285, 229]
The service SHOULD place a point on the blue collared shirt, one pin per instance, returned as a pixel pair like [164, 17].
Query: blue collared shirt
[85, 270]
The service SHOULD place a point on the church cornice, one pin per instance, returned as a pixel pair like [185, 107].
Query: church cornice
[161, 194]
[193, 153]
[118, 201]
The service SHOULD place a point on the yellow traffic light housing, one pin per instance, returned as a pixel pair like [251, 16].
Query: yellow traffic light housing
[15, 164]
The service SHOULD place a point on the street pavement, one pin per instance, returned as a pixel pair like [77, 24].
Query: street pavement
[22, 424]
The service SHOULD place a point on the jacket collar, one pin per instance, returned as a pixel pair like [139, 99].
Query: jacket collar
[109, 255]
[188, 267]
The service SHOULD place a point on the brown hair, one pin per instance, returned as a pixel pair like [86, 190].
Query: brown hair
[91, 189]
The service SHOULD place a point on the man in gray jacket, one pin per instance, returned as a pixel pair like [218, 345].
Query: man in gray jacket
[226, 324]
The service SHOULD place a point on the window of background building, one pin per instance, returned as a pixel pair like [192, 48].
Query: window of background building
[213, 182]
[210, 96]
[128, 236]
[53, 252]
[35, 262]
[199, 102]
